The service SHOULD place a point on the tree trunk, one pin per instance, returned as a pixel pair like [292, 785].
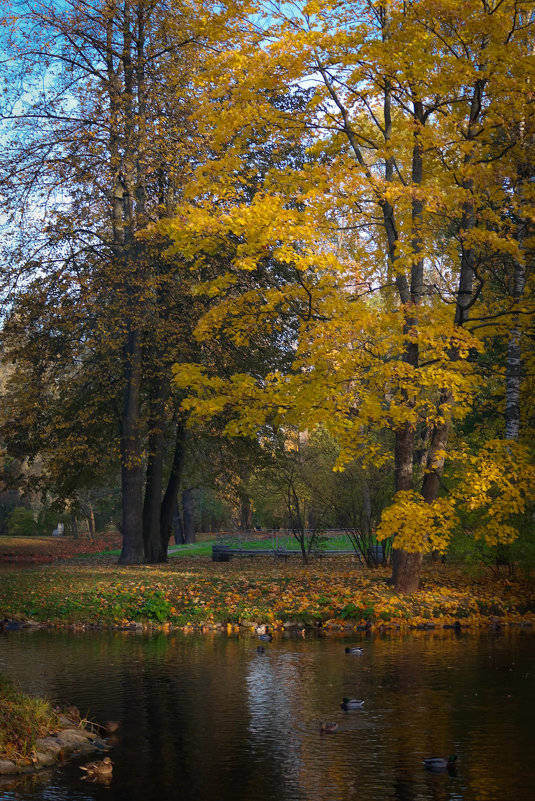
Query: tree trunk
[178, 529]
[246, 514]
[437, 449]
[91, 521]
[152, 541]
[464, 300]
[188, 509]
[169, 506]
[406, 566]
[406, 569]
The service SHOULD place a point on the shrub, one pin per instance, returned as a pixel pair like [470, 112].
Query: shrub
[21, 522]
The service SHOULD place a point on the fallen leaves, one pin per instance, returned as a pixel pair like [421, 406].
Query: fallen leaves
[337, 593]
[48, 549]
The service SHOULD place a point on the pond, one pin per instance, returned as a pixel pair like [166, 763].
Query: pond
[208, 718]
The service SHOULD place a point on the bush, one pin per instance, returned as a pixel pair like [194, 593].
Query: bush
[21, 522]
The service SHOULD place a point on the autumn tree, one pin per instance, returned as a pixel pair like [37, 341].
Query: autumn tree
[98, 146]
[390, 227]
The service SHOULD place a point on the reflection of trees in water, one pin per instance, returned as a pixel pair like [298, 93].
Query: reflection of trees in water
[196, 713]
[273, 690]
[287, 699]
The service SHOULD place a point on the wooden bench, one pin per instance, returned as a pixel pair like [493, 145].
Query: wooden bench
[223, 553]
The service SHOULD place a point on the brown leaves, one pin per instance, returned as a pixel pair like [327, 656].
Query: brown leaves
[334, 593]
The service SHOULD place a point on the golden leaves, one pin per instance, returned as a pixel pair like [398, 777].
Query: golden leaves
[498, 483]
[336, 592]
[416, 525]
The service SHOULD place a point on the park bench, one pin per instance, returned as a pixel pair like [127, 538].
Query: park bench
[223, 553]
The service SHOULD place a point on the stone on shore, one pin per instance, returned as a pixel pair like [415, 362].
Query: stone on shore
[50, 750]
[6, 766]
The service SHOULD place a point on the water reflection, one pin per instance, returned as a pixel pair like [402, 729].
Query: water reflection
[211, 718]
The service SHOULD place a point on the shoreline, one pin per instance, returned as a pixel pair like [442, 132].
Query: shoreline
[493, 623]
[52, 749]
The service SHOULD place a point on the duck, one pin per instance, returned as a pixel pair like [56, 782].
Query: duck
[354, 650]
[264, 634]
[10, 625]
[351, 703]
[440, 764]
[98, 770]
[328, 728]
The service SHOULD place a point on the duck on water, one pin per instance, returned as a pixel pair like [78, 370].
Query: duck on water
[438, 764]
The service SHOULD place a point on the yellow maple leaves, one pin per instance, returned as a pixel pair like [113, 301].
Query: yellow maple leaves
[418, 526]
[497, 484]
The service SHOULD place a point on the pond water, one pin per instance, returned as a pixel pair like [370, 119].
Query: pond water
[207, 718]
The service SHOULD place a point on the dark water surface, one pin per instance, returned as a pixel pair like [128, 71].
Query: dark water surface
[207, 718]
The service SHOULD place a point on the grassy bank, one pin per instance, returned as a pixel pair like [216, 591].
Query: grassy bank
[23, 721]
[194, 591]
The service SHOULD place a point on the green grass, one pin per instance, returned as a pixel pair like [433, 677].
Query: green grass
[192, 549]
[286, 542]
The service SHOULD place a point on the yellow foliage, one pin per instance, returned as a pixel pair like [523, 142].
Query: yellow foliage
[416, 525]
[498, 483]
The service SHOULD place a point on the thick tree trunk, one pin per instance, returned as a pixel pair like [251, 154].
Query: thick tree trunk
[406, 569]
[169, 506]
[152, 504]
[188, 513]
[152, 541]
[436, 455]
[125, 59]
[132, 526]
[406, 566]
